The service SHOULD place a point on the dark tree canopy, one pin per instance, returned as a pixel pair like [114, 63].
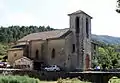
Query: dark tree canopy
[13, 33]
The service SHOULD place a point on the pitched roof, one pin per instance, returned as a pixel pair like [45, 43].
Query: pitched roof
[78, 12]
[13, 49]
[24, 58]
[45, 35]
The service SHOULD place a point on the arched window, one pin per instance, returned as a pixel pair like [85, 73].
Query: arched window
[87, 28]
[37, 53]
[53, 53]
[77, 26]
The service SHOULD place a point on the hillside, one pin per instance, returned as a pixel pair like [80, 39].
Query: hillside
[106, 39]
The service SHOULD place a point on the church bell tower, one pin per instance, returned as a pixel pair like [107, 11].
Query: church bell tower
[80, 25]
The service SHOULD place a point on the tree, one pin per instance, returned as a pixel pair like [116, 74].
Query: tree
[118, 6]
[13, 33]
[107, 57]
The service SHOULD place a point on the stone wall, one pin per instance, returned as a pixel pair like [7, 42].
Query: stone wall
[71, 60]
[14, 54]
[34, 46]
[59, 46]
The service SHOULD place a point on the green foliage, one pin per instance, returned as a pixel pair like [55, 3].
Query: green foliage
[114, 80]
[107, 57]
[3, 49]
[17, 79]
[13, 33]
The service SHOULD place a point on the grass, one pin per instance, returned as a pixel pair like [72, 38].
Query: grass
[26, 79]
[17, 79]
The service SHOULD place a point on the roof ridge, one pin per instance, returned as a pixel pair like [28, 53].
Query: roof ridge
[49, 31]
[45, 35]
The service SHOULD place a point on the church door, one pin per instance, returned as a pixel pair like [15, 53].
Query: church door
[87, 59]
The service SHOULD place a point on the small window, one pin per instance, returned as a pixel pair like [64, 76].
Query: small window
[37, 53]
[87, 28]
[15, 54]
[53, 53]
[73, 48]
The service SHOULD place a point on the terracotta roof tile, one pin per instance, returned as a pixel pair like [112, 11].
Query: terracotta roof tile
[45, 35]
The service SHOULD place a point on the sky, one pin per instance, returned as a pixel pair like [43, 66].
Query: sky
[106, 21]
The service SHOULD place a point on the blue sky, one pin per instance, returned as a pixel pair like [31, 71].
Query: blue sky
[54, 13]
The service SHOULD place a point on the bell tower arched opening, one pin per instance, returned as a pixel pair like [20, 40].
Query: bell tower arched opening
[87, 28]
[77, 26]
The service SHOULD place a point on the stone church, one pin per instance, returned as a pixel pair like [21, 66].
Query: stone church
[68, 48]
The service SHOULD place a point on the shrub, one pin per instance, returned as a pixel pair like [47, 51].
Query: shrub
[114, 80]
[17, 79]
